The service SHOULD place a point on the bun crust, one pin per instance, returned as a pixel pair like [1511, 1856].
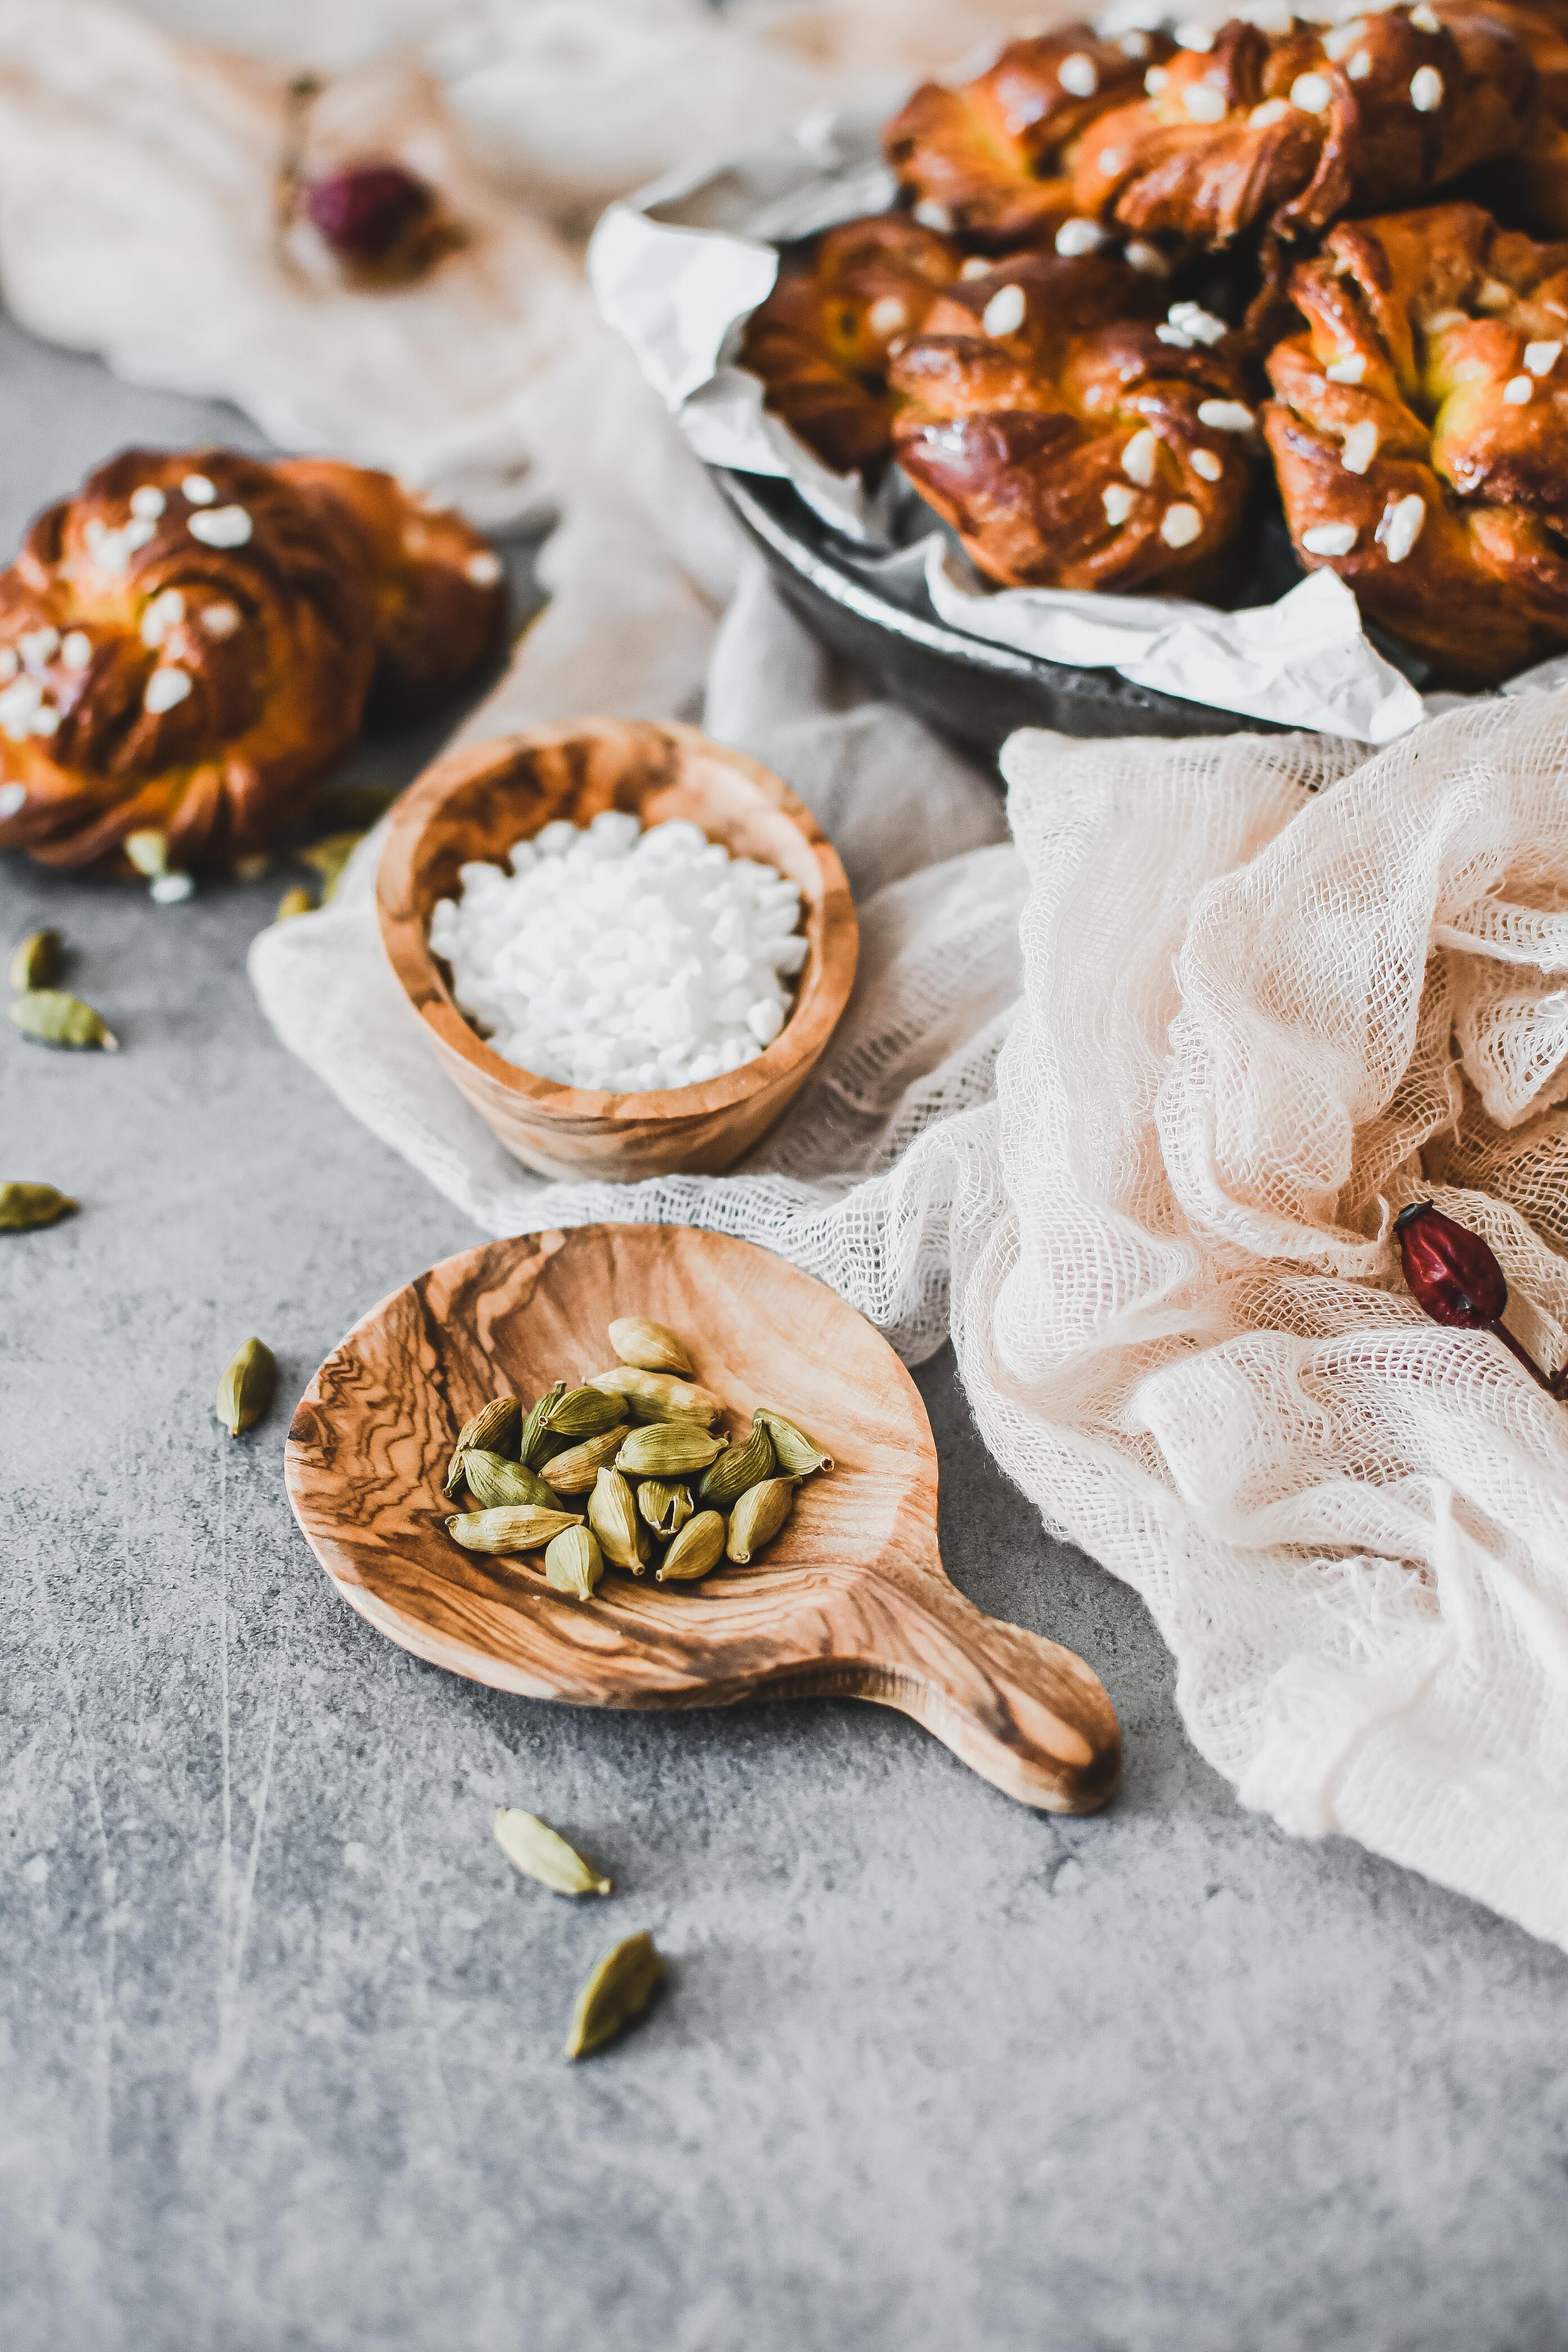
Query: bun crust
[821, 340]
[1417, 419]
[189, 643]
[1286, 132]
[1070, 437]
[986, 158]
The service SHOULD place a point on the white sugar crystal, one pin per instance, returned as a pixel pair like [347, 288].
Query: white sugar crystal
[13, 800]
[1079, 75]
[621, 960]
[148, 503]
[1427, 89]
[1076, 238]
[164, 688]
[221, 527]
[170, 889]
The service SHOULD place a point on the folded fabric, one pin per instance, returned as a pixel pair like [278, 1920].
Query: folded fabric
[138, 179]
[138, 219]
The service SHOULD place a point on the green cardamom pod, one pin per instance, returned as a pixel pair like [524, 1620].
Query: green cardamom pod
[668, 1449]
[245, 1389]
[24, 1206]
[798, 1454]
[53, 1018]
[328, 858]
[613, 1516]
[488, 1431]
[573, 1471]
[698, 1547]
[657, 1396]
[297, 901]
[536, 1444]
[583, 1413]
[650, 1347]
[532, 1847]
[35, 961]
[758, 1516]
[574, 1562]
[497, 1485]
[148, 851]
[742, 1467]
[665, 1507]
[615, 1995]
[517, 1527]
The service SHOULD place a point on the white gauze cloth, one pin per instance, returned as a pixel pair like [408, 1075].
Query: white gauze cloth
[1128, 1108]
[138, 193]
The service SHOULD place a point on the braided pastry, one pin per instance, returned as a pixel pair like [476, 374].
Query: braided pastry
[436, 593]
[1421, 444]
[1069, 439]
[986, 160]
[820, 341]
[188, 644]
[1288, 131]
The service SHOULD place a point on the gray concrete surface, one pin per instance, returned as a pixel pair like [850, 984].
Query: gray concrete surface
[280, 2029]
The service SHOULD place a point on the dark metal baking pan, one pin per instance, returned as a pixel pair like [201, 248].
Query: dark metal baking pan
[880, 616]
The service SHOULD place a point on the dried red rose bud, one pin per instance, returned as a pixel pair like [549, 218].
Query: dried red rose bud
[364, 210]
[1451, 1271]
[1455, 1279]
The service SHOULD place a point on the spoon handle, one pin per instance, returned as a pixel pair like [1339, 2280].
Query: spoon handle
[1022, 1711]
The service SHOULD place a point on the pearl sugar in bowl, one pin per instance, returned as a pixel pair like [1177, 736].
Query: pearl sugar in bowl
[627, 945]
[621, 958]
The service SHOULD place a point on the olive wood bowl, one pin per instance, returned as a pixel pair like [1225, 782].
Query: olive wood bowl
[476, 802]
[850, 1598]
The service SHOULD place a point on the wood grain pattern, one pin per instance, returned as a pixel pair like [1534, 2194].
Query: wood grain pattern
[851, 1597]
[476, 802]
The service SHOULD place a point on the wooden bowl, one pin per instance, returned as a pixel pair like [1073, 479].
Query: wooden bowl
[851, 1597]
[476, 802]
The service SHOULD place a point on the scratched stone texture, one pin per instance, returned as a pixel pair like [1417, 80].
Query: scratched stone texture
[280, 2030]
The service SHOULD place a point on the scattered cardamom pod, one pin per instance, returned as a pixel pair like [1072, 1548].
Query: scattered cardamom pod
[650, 1347]
[497, 1485]
[657, 1396]
[148, 851]
[245, 1389]
[758, 1516]
[35, 961]
[573, 1471]
[616, 1993]
[520, 1526]
[53, 1018]
[698, 1547]
[742, 1467]
[574, 1562]
[665, 1507]
[534, 1444]
[798, 1454]
[297, 901]
[532, 1847]
[24, 1206]
[583, 1413]
[488, 1431]
[613, 1516]
[668, 1449]
[328, 858]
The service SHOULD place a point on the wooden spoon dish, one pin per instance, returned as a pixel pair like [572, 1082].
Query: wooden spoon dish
[851, 1597]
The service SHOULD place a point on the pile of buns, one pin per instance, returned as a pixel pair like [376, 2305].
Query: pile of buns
[1128, 277]
[188, 644]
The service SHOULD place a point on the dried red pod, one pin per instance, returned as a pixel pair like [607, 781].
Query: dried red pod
[1453, 1277]
[363, 211]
